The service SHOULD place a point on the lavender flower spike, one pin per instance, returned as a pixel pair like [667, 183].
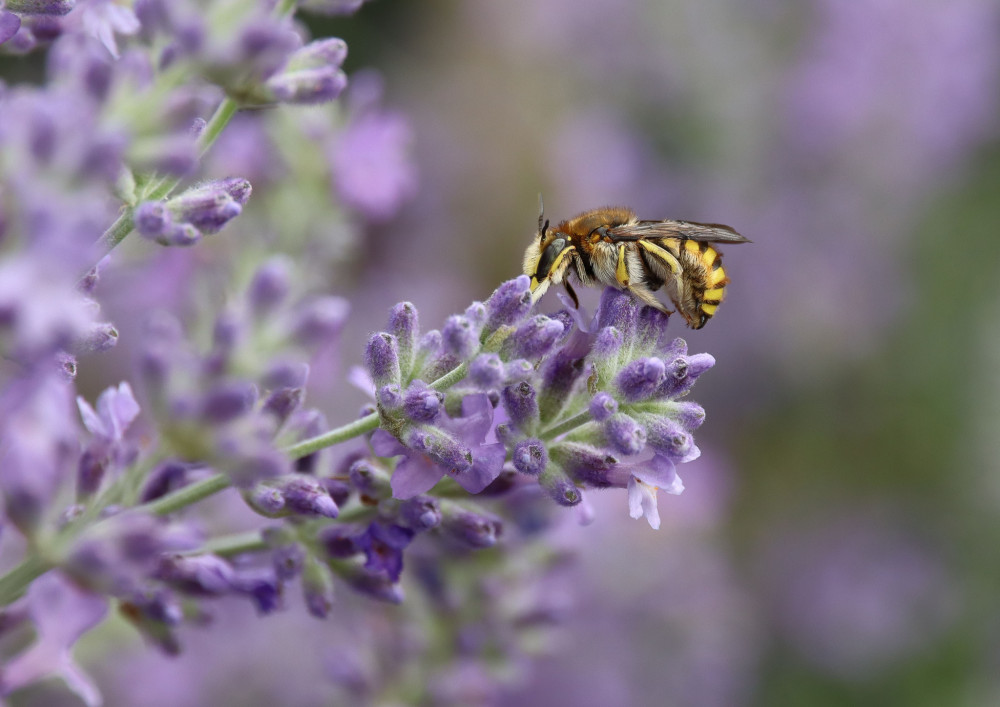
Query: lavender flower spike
[40, 7]
[210, 206]
[312, 73]
[508, 304]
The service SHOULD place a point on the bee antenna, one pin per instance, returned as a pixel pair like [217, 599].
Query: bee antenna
[541, 216]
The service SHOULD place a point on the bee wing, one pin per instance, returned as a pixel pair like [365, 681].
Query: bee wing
[707, 232]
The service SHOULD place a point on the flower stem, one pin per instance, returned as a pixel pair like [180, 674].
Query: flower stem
[566, 425]
[451, 377]
[216, 124]
[122, 226]
[13, 583]
[235, 544]
[187, 495]
[364, 424]
[334, 436]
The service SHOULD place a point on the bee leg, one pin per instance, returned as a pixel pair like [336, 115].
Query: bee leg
[572, 293]
[646, 296]
[621, 271]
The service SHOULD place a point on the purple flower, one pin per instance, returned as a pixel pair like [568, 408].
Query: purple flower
[317, 587]
[603, 406]
[669, 438]
[421, 403]
[262, 587]
[197, 575]
[312, 73]
[420, 469]
[420, 513]
[535, 337]
[270, 284]
[382, 360]
[470, 528]
[119, 554]
[559, 486]
[530, 457]
[318, 321]
[460, 336]
[116, 409]
[39, 446]
[640, 378]
[643, 482]
[376, 585]
[521, 404]
[624, 434]
[295, 494]
[41, 7]
[104, 19]
[9, 25]
[165, 478]
[40, 311]
[383, 545]
[210, 206]
[62, 613]
[508, 304]
[486, 371]
[371, 166]
[404, 324]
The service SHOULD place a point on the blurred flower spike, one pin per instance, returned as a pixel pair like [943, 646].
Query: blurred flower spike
[203, 209]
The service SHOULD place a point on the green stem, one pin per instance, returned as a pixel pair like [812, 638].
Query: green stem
[216, 124]
[122, 226]
[451, 377]
[13, 584]
[335, 436]
[366, 423]
[235, 544]
[566, 425]
[285, 7]
[187, 495]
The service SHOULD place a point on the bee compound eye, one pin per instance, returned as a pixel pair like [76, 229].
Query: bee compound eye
[549, 255]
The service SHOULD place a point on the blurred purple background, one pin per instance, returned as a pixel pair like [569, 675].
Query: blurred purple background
[833, 545]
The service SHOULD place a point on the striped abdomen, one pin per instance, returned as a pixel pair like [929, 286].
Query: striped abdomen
[691, 273]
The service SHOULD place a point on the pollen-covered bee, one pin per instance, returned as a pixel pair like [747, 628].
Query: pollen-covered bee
[610, 246]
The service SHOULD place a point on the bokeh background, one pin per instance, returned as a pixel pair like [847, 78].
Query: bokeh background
[836, 542]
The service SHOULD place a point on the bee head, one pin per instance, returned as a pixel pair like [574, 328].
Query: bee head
[547, 259]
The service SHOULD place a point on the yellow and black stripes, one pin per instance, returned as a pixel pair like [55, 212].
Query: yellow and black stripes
[610, 246]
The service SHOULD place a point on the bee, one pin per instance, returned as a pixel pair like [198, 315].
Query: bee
[610, 246]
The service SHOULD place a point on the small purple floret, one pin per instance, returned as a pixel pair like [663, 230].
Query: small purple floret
[508, 304]
[382, 359]
[520, 402]
[603, 406]
[486, 371]
[530, 457]
[422, 404]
